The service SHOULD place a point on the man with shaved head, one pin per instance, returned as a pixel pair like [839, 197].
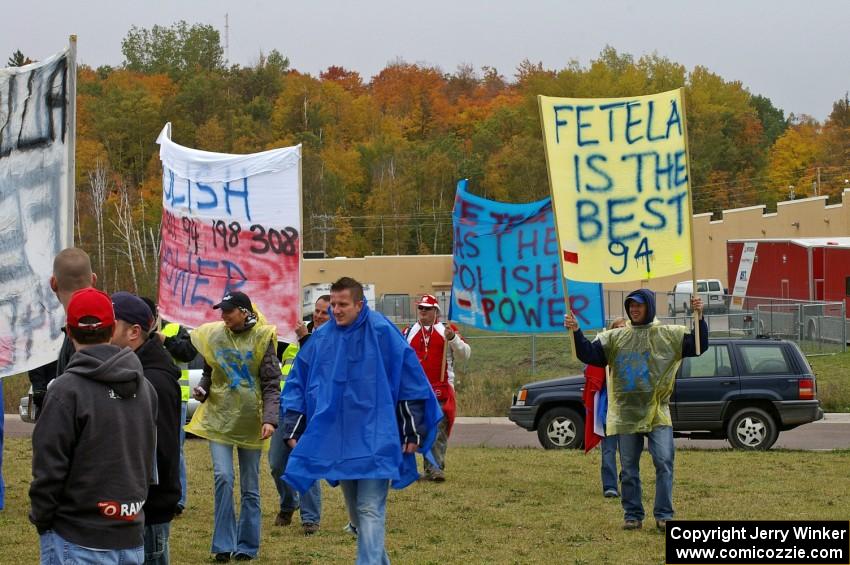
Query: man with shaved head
[71, 272]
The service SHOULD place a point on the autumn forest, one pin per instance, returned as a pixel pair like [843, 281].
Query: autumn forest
[382, 154]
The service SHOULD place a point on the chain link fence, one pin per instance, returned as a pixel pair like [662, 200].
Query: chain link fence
[817, 327]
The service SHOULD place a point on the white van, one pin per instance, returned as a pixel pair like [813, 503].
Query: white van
[710, 290]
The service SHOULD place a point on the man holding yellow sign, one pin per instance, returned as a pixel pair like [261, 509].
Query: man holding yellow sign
[619, 177]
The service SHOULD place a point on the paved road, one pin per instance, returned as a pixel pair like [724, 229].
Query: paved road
[833, 432]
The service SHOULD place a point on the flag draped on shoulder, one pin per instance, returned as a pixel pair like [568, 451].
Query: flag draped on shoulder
[593, 425]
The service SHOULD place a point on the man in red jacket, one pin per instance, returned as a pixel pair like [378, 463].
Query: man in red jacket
[428, 337]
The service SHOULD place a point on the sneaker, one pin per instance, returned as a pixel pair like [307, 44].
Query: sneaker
[611, 493]
[350, 529]
[632, 525]
[438, 476]
[310, 528]
[222, 557]
[283, 518]
[242, 557]
[661, 525]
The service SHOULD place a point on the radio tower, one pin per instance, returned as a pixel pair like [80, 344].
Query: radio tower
[226, 39]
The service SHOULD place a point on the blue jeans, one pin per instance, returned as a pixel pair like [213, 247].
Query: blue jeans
[662, 450]
[366, 501]
[311, 502]
[227, 537]
[609, 464]
[182, 502]
[156, 544]
[58, 551]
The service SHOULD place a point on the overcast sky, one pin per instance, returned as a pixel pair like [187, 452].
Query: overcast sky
[796, 53]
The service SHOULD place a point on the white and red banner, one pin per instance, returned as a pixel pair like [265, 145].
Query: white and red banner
[230, 222]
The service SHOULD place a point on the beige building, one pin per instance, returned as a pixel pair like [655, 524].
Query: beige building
[418, 274]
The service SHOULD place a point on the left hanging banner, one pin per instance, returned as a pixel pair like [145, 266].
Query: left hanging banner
[230, 222]
[36, 215]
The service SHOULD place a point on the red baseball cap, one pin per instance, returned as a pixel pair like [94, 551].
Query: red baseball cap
[429, 301]
[90, 303]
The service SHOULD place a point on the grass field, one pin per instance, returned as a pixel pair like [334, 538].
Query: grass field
[499, 506]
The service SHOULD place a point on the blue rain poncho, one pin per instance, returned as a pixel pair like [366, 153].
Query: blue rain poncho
[348, 381]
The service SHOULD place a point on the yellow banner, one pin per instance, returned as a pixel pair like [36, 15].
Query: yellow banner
[618, 173]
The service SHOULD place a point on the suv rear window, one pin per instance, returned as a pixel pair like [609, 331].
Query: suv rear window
[764, 359]
[713, 286]
[714, 362]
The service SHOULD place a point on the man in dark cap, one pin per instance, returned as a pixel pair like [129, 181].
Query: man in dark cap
[133, 320]
[177, 342]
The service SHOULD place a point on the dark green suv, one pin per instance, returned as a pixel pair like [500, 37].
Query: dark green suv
[742, 390]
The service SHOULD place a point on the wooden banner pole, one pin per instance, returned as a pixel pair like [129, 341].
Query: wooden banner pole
[71, 70]
[557, 231]
[690, 214]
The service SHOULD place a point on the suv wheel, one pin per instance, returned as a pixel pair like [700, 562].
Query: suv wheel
[561, 428]
[752, 428]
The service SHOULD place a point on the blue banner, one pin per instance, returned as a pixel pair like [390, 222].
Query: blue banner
[505, 272]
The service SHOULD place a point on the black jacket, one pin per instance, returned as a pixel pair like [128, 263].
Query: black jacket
[93, 450]
[180, 346]
[163, 374]
[40, 377]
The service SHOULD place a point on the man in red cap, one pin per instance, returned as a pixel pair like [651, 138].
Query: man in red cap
[428, 337]
[93, 446]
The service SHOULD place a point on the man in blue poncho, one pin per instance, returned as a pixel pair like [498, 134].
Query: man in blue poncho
[356, 407]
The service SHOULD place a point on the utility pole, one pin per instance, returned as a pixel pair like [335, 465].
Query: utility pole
[326, 227]
[817, 186]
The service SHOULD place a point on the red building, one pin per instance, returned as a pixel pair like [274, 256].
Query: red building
[801, 269]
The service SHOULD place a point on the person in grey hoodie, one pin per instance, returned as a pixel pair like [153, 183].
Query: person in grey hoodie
[94, 446]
